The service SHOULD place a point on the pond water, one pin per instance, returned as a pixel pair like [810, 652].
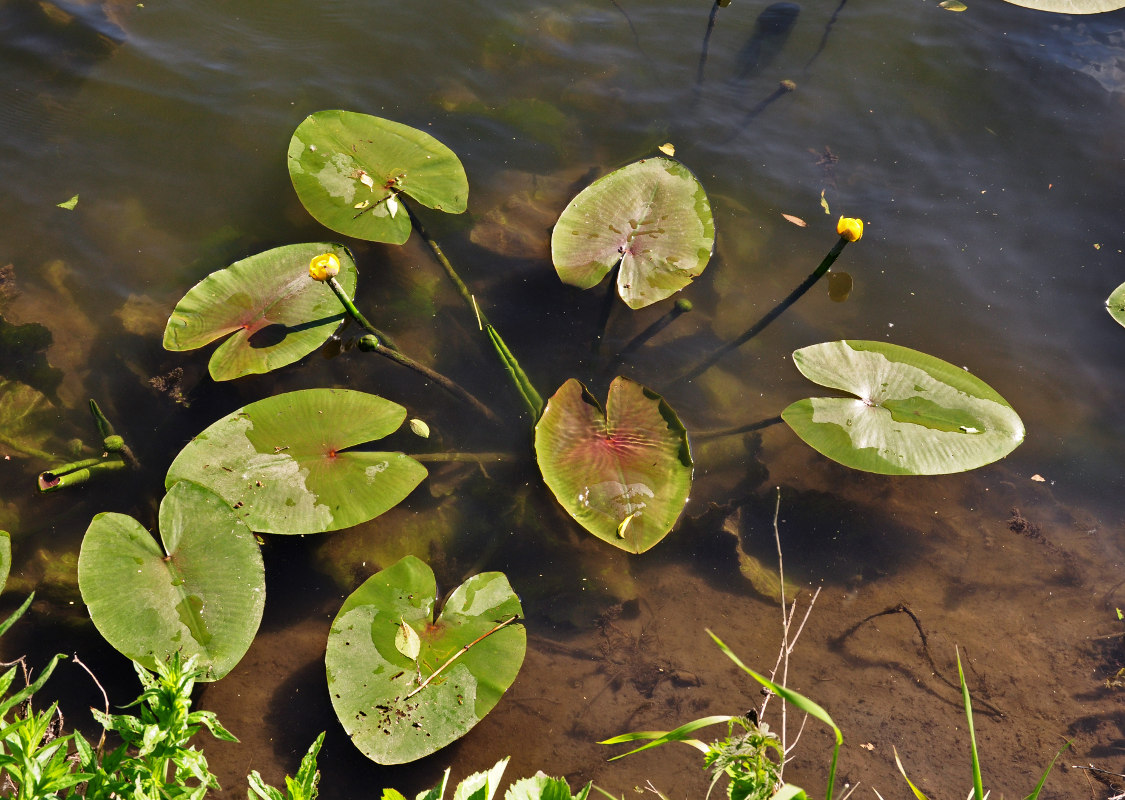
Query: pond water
[982, 148]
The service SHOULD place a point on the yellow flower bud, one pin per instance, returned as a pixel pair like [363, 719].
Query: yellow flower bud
[850, 228]
[324, 266]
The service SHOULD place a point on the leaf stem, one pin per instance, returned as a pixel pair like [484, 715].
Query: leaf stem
[460, 653]
[682, 306]
[531, 397]
[607, 308]
[770, 316]
[355, 314]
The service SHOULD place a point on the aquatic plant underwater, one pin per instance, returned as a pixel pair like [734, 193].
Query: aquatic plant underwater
[408, 671]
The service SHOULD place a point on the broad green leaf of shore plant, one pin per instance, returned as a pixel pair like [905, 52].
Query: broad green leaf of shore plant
[542, 787]
[200, 591]
[912, 414]
[623, 473]
[652, 217]
[1115, 304]
[276, 312]
[285, 465]
[349, 168]
[374, 686]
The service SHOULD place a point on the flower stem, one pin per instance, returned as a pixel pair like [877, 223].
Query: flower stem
[770, 316]
[355, 314]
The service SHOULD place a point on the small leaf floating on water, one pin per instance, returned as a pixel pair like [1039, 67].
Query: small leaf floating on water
[953, 5]
[824, 203]
[420, 428]
[800, 223]
[839, 286]
[667, 149]
[407, 640]
[69, 204]
[1038, 478]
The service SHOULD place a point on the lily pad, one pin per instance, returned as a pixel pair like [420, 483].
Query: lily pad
[912, 414]
[375, 686]
[277, 313]
[200, 594]
[1071, 6]
[283, 462]
[349, 168]
[623, 473]
[1115, 304]
[652, 217]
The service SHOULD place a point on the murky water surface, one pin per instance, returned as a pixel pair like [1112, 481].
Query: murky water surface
[984, 150]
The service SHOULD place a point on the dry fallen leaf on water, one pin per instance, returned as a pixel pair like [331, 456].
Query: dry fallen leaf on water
[824, 203]
[667, 149]
[953, 5]
[868, 746]
[800, 223]
[1038, 478]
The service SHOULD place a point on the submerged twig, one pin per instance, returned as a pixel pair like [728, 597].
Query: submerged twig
[460, 653]
[824, 38]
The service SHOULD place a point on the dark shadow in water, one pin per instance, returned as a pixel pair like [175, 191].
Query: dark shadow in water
[275, 333]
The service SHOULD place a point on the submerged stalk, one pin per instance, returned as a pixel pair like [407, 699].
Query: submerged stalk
[531, 397]
[777, 310]
[373, 343]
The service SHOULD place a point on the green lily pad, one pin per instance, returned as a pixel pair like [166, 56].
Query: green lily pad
[277, 313]
[651, 216]
[1115, 304]
[349, 168]
[200, 594]
[374, 685]
[623, 473]
[283, 462]
[912, 414]
[1071, 6]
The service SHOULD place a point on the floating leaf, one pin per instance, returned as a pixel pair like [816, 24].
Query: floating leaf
[1071, 6]
[953, 5]
[69, 204]
[1115, 304]
[277, 313]
[824, 203]
[407, 641]
[623, 473]
[283, 462]
[341, 161]
[375, 687]
[667, 149]
[800, 223]
[201, 594]
[913, 414]
[651, 216]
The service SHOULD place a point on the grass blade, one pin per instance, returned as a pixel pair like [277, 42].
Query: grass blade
[1039, 786]
[978, 784]
[658, 738]
[917, 792]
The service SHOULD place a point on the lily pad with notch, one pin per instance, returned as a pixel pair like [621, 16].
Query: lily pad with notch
[652, 217]
[403, 696]
[912, 414]
[199, 592]
[623, 473]
[1115, 304]
[276, 312]
[285, 464]
[349, 168]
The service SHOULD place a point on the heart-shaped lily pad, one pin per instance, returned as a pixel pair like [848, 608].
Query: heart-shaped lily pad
[348, 170]
[398, 703]
[283, 462]
[201, 594]
[623, 473]
[1115, 304]
[651, 216]
[912, 414]
[1071, 6]
[277, 313]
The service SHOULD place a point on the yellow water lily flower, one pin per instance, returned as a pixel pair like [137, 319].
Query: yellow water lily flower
[850, 228]
[324, 266]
